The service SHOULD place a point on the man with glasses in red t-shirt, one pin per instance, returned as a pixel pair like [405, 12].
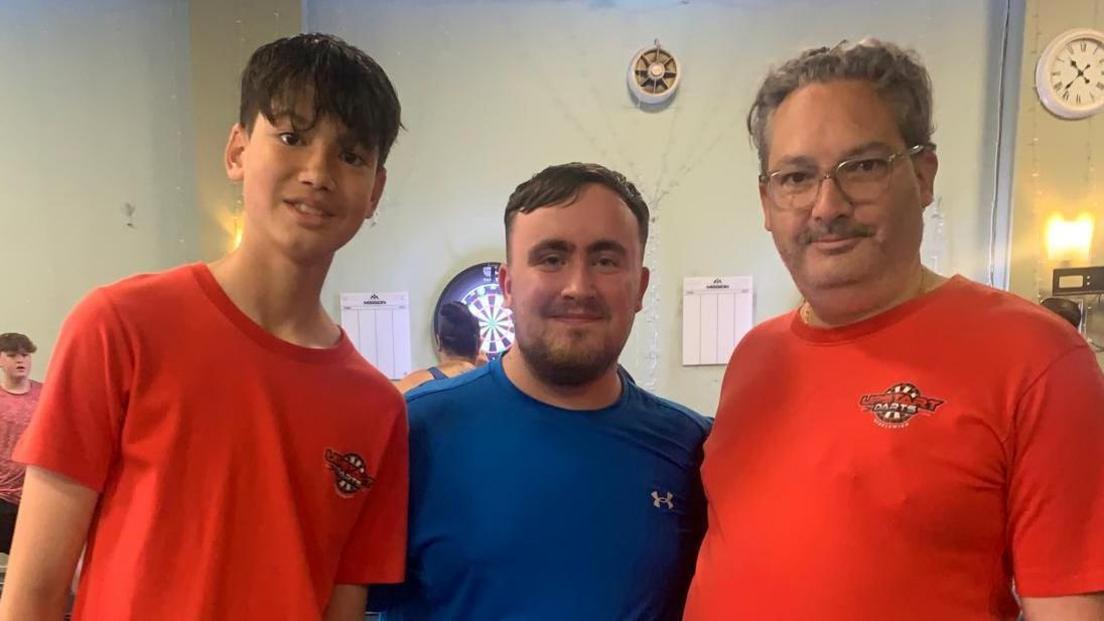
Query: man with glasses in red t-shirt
[903, 445]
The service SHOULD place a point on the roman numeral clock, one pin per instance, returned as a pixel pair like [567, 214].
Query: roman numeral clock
[1069, 76]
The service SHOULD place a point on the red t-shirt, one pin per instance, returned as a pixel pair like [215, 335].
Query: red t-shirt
[240, 476]
[15, 415]
[906, 467]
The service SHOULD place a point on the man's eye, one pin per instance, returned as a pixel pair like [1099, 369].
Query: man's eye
[794, 178]
[291, 139]
[352, 159]
[865, 167]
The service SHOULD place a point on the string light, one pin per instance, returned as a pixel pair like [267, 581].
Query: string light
[1033, 145]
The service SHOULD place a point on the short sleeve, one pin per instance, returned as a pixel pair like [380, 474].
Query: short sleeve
[376, 551]
[77, 427]
[1056, 495]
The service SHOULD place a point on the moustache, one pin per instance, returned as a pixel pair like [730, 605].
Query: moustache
[590, 307]
[839, 228]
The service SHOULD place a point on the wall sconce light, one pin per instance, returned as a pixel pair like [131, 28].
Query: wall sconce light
[1069, 241]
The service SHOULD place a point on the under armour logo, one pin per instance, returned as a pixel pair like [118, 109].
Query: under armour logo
[658, 501]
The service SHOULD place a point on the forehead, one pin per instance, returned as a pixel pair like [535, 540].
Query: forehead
[597, 213]
[822, 121]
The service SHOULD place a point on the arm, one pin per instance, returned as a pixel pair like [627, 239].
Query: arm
[1087, 607]
[1056, 484]
[53, 522]
[347, 603]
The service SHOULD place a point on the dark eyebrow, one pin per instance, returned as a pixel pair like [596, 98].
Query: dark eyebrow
[554, 245]
[607, 245]
[349, 141]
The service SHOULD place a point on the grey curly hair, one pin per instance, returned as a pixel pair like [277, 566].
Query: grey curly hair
[897, 75]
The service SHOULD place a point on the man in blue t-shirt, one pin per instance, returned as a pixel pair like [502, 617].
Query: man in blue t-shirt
[547, 485]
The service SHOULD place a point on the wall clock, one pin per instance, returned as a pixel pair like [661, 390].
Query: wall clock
[1069, 75]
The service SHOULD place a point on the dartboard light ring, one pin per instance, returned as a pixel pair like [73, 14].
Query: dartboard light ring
[477, 288]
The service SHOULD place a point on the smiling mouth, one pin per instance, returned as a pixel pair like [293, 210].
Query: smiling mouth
[577, 318]
[835, 242]
[307, 210]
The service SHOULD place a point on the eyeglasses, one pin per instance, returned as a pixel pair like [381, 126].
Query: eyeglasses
[859, 180]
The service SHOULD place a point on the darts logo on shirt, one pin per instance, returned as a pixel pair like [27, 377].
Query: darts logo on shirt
[897, 405]
[350, 476]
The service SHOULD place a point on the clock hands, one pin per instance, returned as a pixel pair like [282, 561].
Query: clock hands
[1080, 74]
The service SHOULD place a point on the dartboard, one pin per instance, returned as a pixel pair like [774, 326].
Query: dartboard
[477, 287]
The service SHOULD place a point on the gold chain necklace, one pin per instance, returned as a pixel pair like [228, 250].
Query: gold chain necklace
[805, 309]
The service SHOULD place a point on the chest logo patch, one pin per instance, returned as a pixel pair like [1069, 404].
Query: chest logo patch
[896, 406]
[350, 475]
[667, 500]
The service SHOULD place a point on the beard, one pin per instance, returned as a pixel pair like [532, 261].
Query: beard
[572, 360]
[566, 366]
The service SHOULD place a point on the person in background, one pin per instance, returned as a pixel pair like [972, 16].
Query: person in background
[18, 397]
[457, 344]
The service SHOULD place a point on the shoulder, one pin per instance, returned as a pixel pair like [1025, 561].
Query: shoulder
[361, 376]
[412, 380]
[467, 390]
[143, 303]
[677, 417]
[139, 286]
[983, 317]
[153, 292]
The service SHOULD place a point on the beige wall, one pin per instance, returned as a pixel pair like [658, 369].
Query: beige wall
[1059, 163]
[96, 158]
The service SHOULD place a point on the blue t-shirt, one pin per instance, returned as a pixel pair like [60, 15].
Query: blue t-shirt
[520, 510]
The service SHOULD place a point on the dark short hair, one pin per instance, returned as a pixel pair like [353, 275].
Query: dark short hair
[560, 184]
[896, 73]
[337, 79]
[14, 342]
[457, 330]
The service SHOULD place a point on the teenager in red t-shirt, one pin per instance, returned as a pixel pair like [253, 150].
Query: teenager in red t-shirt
[904, 446]
[18, 397]
[208, 432]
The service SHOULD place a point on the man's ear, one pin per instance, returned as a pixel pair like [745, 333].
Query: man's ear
[764, 202]
[233, 158]
[377, 190]
[926, 165]
[645, 278]
[506, 284]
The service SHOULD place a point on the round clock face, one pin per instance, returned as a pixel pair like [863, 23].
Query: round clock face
[1069, 76]
[477, 287]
